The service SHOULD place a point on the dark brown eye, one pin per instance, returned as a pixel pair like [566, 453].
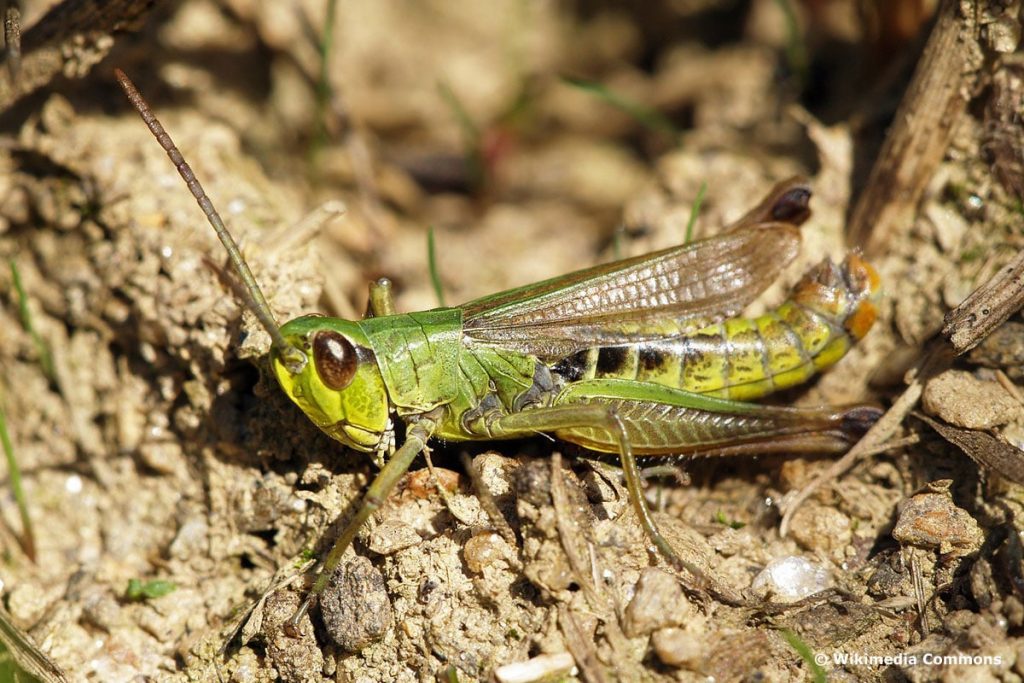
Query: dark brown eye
[335, 359]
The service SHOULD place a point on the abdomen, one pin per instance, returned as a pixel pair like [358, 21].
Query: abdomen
[830, 309]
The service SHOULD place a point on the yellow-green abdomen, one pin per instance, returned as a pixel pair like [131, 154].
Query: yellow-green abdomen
[747, 358]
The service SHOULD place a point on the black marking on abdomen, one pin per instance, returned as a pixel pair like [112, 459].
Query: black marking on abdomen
[652, 358]
[573, 368]
[611, 360]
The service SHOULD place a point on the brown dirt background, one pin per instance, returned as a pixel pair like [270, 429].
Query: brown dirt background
[160, 451]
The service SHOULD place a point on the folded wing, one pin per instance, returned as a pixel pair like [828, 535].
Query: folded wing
[650, 295]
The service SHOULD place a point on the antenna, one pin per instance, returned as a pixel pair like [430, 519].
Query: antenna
[293, 358]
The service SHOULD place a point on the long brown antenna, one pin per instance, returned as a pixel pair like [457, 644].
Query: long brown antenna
[254, 299]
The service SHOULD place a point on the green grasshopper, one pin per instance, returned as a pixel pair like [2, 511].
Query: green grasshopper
[638, 357]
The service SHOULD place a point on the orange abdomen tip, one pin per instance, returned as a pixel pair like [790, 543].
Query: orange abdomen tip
[862, 319]
[863, 272]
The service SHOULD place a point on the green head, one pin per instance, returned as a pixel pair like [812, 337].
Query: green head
[339, 386]
[325, 365]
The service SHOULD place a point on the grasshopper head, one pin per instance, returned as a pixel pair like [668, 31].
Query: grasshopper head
[324, 364]
[340, 388]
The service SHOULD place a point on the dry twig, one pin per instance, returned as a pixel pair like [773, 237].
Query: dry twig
[988, 307]
[935, 101]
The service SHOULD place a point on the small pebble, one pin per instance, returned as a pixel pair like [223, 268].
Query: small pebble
[540, 668]
[355, 605]
[821, 528]
[391, 536]
[483, 550]
[608, 502]
[1003, 35]
[657, 603]
[931, 520]
[729, 542]
[962, 400]
[192, 538]
[101, 609]
[598, 488]
[1003, 349]
[26, 602]
[675, 647]
[792, 578]
[73, 484]
[496, 472]
[950, 227]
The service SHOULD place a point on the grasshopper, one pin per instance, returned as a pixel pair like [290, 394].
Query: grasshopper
[639, 357]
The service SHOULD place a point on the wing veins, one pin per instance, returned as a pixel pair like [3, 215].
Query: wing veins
[691, 284]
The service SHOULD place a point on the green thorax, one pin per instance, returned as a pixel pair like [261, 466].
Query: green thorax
[425, 364]
[418, 356]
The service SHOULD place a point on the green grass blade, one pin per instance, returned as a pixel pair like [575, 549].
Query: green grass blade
[695, 211]
[806, 654]
[324, 93]
[466, 123]
[14, 472]
[471, 135]
[652, 119]
[796, 51]
[435, 275]
[45, 358]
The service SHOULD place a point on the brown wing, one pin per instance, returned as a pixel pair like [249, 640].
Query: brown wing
[698, 282]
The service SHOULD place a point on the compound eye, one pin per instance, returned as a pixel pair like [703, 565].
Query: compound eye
[335, 359]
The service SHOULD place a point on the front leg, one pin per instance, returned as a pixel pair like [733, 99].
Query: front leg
[415, 440]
